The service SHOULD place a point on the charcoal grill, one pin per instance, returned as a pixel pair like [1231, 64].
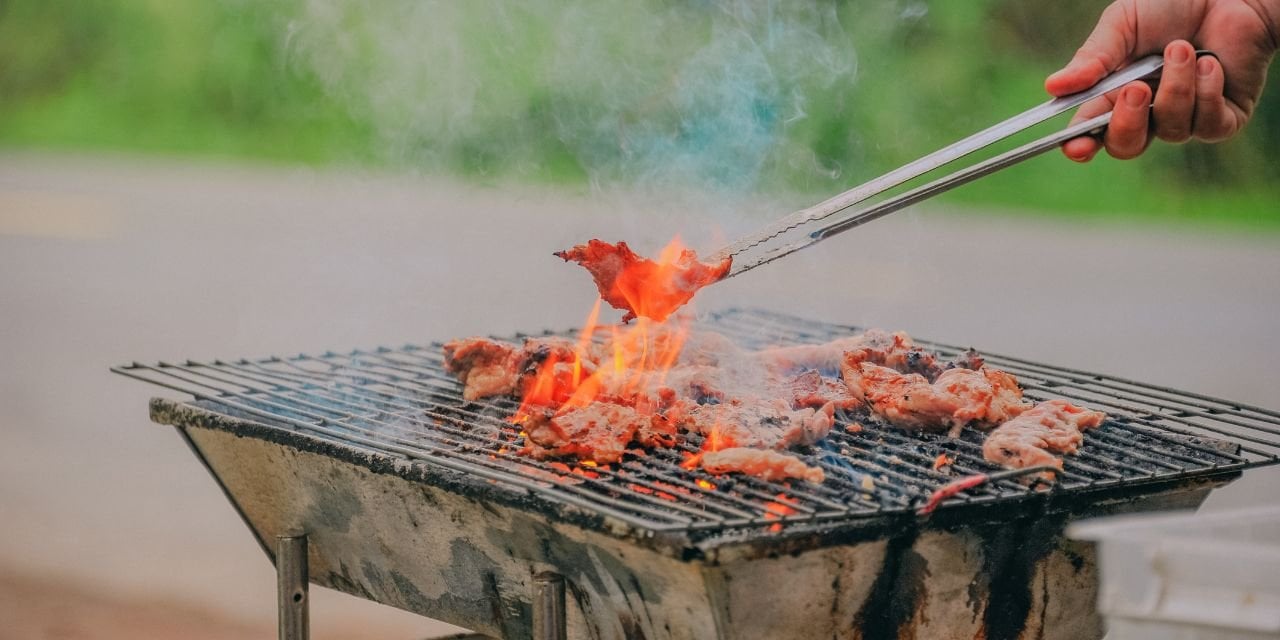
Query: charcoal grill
[368, 470]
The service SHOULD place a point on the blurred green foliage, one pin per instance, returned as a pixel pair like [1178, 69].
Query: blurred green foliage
[218, 78]
[166, 76]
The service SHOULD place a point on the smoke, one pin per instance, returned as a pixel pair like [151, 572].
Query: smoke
[649, 93]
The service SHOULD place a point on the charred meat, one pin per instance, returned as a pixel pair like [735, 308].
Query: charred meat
[600, 431]
[613, 392]
[494, 368]
[644, 287]
[761, 463]
[757, 423]
[1040, 434]
[957, 398]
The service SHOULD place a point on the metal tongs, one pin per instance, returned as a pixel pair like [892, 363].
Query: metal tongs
[797, 230]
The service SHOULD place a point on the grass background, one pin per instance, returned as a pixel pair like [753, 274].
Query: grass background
[219, 79]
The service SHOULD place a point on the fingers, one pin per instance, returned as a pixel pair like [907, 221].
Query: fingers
[1127, 135]
[1084, 148]
[1176, 99]
[1105, 50]
[1214, 119]
[1184, 107]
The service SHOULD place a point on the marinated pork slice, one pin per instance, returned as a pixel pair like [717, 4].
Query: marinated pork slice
[959, 397]
[896, 351]
[766, 465]
[658, 431]
[760, 424]
[493, 368]
[639, 285]
[600, 431]
[1035, 437]
[967, 359]
[485, 367]
[813, 390]
[989, 397]
[698, 384]
[825, 357]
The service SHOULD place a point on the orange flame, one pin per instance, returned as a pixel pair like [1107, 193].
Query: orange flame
[628, 362]
[656, 288]
[646, 288]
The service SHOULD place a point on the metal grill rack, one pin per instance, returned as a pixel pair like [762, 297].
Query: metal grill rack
[399, 402]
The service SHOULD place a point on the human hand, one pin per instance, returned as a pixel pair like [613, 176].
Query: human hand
[1208, 99]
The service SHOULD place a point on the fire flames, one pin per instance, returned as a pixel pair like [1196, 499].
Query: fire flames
[646, 288]
[639, 358]
[628, 364]
[636, 357]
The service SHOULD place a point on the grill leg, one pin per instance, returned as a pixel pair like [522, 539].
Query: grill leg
[548, 606]
[291, 587]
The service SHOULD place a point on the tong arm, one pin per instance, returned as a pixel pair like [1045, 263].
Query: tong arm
[1141, 69]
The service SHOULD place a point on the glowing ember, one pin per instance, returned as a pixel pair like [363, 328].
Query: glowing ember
[691, 460]
[642, 287]
[782, 505]
[649, 491]
[706, 485]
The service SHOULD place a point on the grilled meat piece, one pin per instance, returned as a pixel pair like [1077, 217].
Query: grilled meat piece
[766, 465]
[485, 367]
[1034, 437]
[967, 359]
[896, 351]
[749, 405]
[959, 397]
[760, 424]
[493, 368]
[600, 431]
[811, 389]
[824, 357]
[641, 286]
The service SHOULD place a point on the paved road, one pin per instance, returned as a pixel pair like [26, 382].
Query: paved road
[105, 260]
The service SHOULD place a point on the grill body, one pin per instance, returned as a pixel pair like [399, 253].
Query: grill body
[413, 497]
[426, 541]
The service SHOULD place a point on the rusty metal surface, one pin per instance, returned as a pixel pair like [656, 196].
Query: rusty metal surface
[381, 530]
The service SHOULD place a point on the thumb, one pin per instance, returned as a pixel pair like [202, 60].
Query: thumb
[1106, 49]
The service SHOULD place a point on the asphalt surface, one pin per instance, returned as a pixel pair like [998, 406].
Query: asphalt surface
[106, 260]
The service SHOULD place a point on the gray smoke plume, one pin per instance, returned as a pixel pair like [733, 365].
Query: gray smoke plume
[647, 93]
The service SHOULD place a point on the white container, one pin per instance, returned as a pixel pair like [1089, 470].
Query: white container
[1189, 577]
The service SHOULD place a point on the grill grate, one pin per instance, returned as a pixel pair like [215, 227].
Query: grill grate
[400, 402]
